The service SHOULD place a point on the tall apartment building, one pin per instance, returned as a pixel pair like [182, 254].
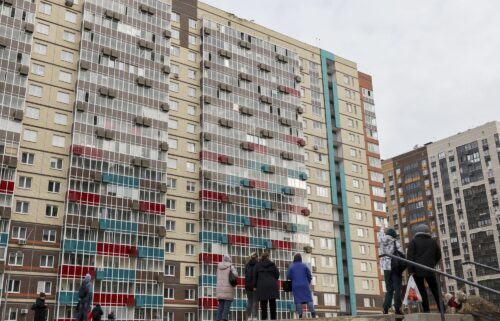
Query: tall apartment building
[452, 186]
[145, 139]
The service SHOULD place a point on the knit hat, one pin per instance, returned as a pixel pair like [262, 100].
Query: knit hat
[392, 232]
[422, 228]
[226, 258]
[253, 255]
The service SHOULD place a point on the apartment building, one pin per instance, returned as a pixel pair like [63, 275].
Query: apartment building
[145, 139]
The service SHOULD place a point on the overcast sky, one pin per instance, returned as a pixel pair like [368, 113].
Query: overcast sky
[435, 64]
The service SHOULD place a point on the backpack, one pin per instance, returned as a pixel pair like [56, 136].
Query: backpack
[82, 293]
[396, 265]
[232, 279]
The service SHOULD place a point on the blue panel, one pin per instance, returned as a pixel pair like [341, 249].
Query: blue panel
[257, 242]
[4, 237]
[209, 280]
[69, 298]
[237, 219]
[80, 246]
[114, 225]
[115, 274]
[285, 306]
[151, 252]
[149, 300]
[239, 304]
[120, 180]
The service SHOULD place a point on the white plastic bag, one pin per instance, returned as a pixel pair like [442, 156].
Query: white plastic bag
[412, 293]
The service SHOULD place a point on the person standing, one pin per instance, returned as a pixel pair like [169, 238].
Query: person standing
[111, 316]
[266, 279]
[97, 313]
[423, 249]
[250, 286]
[85, 297]
[225, 291]
[40, 308]
[301, 278]
[393, 279]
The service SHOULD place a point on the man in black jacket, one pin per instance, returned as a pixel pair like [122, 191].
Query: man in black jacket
[423, 249]
[266, 279]
[250, 286]
[40, 308]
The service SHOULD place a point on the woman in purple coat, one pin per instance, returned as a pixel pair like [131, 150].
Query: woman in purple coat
[301, 277]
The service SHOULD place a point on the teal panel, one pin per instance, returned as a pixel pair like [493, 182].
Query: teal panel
[120, 180]
[69, 298]
[151, 252]
[268, 244]
[209, 280]
[115, 274]
[257, 242]
[239, 304]
[213, 237]
[149, 300]
[114, 225]
[237, 219]
[285, 306]
[4, 238]
[79, 246]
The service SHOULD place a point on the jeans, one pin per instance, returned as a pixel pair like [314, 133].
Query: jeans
[263, 309]
[223, 309]
[433, 286]
[393, 282]
[310, 308]
[252, 305]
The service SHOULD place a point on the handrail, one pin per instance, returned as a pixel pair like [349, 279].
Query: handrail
[482, 265]
[423, 267]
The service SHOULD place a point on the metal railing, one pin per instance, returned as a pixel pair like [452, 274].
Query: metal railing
[482, 265]
[439, 273]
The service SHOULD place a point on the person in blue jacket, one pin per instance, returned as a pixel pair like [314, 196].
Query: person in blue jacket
[301, 278]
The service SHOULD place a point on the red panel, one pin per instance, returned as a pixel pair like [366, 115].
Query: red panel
[209, 156]
[238, 239]
[208, 303]
[241, 283]
[260, 149]
[108, 299]
[301, 142]
[76, 270]
[222, 159]
[285, 245]
[291, 139]
[294, 209]
[81, 197]
[6, 187]
[259, 222]
[116, 249]
[261, 185]
[155, 208]
[292, 91]
[210, 258]
[90, 152]
[210, 195]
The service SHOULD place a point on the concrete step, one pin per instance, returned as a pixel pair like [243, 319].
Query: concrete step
[408, 317]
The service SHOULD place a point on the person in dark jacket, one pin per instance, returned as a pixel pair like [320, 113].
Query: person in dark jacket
[266, 279]
[85, 297]
[40, 308]
[393, 279]
[97, 313]
[301, 278]
[250, 287]
[423, 249]
[111, 316]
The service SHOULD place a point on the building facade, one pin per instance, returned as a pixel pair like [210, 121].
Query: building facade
[145, 139]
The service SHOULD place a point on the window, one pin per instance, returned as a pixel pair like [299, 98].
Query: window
[67, 56]
[16, 258]
[191, 92]
[330, 299]
[190, 167]
[42, 28]
[192, 56]
[47, 261]
[190, 249]
[170, 225]
[192, 40]
[171, 183]
[190, 228]
[12, 314]
[169, 315]
[192, 23]
[366, 285]
[14, 286]
[63, 97]
[189, 316]
[56, 163]
[45, 8]
[51, 210]
[44, 286]
[60, 119]
[191, 74]
[37, 69]
[58, 141]
[175, 17]
[189, 271]
[172, 163]
[27, 158]
[175, 34]
[175, 51]
[70, 17]
[189, 294]
[172, 143]
[32, 112]
[191, 110]
[364, 266]
[22, 207]
[322, 191]
[170, 270]
[170, 247]
[69, 36]
[40, 49]
[49, 236]
[174, 105]
[174, 87]
[190, 186]
[190, 207]
[317, 124]
[191, 128]
[173, 124]
[64, 76]
[171, 204]
[190, 147]
[18, 233]
[36, 90]
[54, 187]
[25, 182]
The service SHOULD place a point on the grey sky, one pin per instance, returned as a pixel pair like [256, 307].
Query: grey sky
[435, 64]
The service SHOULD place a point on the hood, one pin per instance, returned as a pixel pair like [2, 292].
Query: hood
[252, 262]
[266, 264]
[87, 279]
[297, 258]
[223, 265]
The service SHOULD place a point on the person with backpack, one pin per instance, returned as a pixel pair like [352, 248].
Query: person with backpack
[252, 303]
[266, 279]
[425, 250]
[226, 277]
[85, 297]
[97, 313]
[301, 278]
[393, 270]
[40, 308]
